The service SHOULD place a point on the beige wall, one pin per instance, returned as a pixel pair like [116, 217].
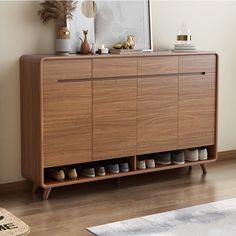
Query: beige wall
[213, 25]
[213, 28]
[21, 32]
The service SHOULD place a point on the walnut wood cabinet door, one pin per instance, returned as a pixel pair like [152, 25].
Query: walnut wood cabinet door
[114, 117]
[157, 113]
[67, 113]
[197, 100]
[196, 110]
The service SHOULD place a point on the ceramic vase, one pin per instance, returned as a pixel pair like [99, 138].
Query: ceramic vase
[63, 45]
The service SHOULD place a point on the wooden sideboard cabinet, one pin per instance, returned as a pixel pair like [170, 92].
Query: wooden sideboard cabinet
[80, 110]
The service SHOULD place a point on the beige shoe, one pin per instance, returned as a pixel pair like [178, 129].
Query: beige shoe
[57, 175]
[70, 173]
[150, 163]
[141, 165]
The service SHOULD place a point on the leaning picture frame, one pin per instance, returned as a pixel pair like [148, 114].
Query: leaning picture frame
[116, 19]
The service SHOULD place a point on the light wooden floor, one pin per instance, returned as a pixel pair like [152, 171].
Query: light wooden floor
[71, 209]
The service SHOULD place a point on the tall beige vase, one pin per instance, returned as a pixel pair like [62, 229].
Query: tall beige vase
[63, 45]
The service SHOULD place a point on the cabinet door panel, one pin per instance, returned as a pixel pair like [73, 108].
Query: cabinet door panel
[197, 63]
[114, 67]
[157, 114]
[196, 110]
[114, 118]
[157, 65]
[67, 69]
[67, 135]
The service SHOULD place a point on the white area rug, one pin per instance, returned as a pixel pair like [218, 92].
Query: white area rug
[11, 225]
[213, 219]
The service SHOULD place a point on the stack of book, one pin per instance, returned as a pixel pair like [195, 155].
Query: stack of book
[125, 51]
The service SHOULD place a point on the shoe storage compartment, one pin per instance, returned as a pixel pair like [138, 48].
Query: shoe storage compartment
[211, 150]
[49, 182]
[94, 110]
[133, 169]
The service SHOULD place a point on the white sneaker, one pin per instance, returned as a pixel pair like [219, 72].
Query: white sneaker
[202, 153]
[191, 154]
[150, 163]
[141, 165]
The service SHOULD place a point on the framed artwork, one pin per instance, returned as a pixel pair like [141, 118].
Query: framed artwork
[114, 20]
[117, 19]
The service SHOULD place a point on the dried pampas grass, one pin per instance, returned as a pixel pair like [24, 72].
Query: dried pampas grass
[59, 11]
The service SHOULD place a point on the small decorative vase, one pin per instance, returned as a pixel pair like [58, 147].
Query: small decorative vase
[63, 46]
[85, 46]
[93, 51]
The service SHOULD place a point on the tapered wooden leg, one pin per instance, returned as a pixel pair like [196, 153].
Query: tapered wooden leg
[203, 166]
[46, 193]
[190, 168]
[34, 188]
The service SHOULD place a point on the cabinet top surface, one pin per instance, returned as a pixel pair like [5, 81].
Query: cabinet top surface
[41, 57]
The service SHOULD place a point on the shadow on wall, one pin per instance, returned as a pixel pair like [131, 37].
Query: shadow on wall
[41, 37]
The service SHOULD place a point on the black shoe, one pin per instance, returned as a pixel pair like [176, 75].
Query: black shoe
[163, 158]
[177, 157]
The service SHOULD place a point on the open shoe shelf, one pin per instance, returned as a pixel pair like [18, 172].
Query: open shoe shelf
[133, 170]
[84, 179]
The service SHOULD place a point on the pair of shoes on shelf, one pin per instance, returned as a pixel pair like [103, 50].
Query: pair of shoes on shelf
[91, 171]
[143, 164]
[179, 157]
[86, 171]
[166, 158]
[117, 168]
[101, 170]
[61, 174]
[196, 154]
[70, 173]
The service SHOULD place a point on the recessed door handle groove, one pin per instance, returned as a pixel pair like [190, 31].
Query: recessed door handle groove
[72, 80]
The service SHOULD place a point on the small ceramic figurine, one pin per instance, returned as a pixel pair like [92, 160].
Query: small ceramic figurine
[128, 44]
[117, 46]
[131, 41]
[85, 46]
